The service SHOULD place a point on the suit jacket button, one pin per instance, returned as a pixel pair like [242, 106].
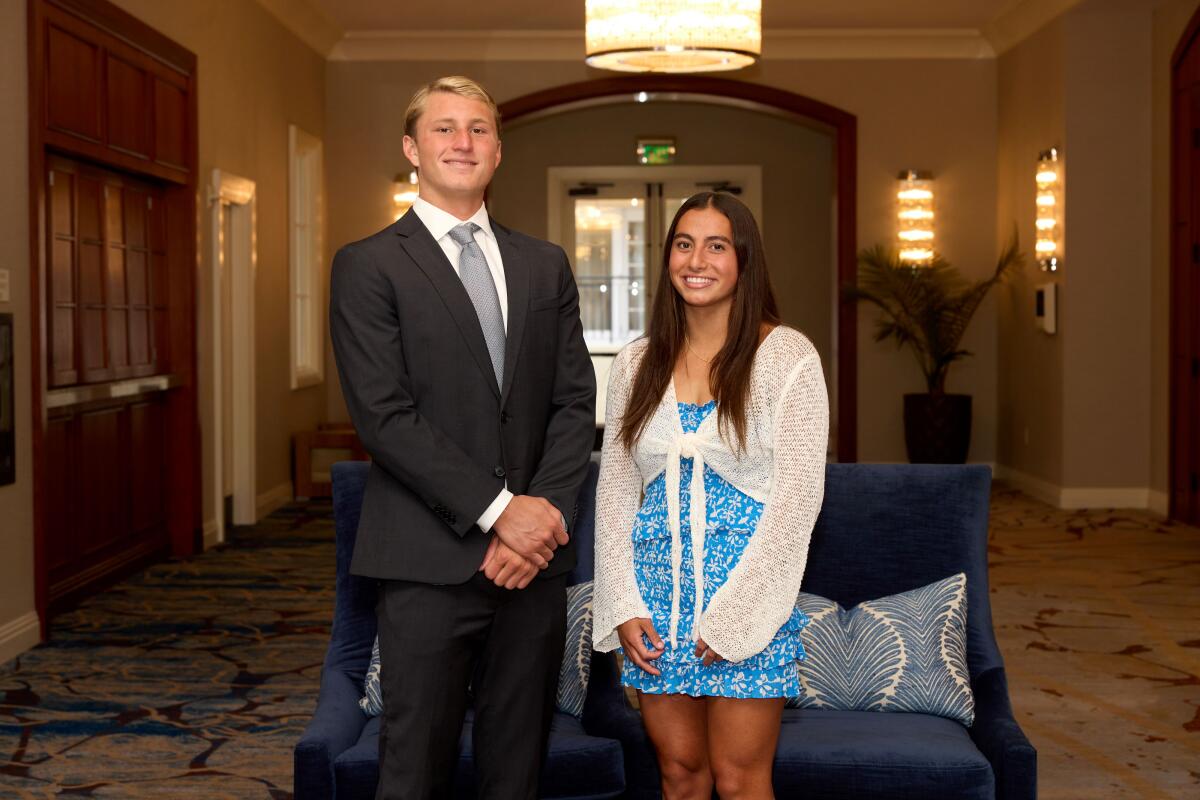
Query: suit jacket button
[504, 417]
[498, 472]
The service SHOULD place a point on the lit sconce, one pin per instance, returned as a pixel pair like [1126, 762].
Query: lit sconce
[1049, 210]
[914, 217]
[404, 192]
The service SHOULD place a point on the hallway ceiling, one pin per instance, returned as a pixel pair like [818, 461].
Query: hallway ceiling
[567, 15]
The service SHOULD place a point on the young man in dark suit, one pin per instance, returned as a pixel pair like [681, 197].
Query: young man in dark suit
[463, 365]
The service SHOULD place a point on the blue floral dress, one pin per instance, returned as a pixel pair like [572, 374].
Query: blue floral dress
[731, 520]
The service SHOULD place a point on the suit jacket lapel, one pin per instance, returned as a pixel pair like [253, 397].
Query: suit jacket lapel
[516, 280]
[429, 257]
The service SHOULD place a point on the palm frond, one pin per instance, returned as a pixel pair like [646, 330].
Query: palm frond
[926, 308]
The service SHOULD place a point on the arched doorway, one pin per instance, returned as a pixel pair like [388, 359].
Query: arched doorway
[1185, 277]
[843, 128]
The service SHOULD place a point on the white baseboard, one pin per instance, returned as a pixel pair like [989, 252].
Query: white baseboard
[1113, 497]
[210, 534]
[1160, 502]
[1078, 497]
[1034, 487]
[19, 635]
[272, 499]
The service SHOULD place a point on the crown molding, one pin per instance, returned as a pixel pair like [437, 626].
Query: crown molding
[534, 45]
[1021, 19]
[304, 20]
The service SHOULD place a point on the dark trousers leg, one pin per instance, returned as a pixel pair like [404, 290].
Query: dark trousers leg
[429, 641]
[515, 686]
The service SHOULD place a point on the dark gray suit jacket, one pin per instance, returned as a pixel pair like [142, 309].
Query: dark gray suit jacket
[422, 395]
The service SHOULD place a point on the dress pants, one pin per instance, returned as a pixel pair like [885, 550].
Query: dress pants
[439, 642]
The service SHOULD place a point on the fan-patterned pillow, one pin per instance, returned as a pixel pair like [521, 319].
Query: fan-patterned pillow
[904, 652]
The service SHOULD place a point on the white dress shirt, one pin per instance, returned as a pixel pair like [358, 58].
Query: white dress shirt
[439, 223]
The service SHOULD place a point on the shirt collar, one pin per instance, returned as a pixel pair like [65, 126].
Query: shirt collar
[439, 222]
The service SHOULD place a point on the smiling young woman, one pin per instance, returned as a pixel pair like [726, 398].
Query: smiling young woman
[719, 419]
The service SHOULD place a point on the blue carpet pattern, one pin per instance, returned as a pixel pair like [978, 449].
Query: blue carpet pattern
[194, 678]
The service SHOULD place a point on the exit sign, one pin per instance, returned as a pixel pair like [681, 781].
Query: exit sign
[656, 151]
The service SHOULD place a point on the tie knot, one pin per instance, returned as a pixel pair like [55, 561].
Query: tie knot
[462, 234]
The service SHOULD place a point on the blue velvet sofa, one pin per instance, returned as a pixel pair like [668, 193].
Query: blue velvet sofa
[885, 529]
[338, 755]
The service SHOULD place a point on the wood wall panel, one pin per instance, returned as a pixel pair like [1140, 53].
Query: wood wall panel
[112, 105]
[72, 84]
[127, 104]
[60, 527]
[170, 124]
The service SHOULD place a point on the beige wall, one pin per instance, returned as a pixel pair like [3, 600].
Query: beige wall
[1078, 408]
[1106, 283]
[1170, 20]
[1029, 367]
[255, 78]
[901, 125]
[18, 621]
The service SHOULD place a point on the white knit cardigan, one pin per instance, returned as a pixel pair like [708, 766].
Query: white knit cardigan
[783, 466]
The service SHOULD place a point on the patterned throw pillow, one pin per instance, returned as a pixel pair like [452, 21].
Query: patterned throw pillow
[905, 652]
[573, 673]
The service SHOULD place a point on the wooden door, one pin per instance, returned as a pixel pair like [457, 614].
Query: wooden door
[113, 172]
[106, 313]
[1185, 280]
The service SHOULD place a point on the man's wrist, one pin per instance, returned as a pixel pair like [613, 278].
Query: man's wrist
[492, 513]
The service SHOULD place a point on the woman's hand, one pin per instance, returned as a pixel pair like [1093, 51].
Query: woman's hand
[707, 653]
[631, 634]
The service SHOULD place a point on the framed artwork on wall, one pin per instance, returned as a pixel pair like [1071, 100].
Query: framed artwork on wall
[8, 432]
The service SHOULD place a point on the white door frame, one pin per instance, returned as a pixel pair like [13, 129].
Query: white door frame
[235, 196]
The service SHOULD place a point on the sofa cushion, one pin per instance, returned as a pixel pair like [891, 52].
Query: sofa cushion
[904, 652]
[854, 755]
[578, 766]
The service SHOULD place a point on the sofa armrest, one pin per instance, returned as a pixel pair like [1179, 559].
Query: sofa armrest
[1001, 740]
[336, 725]
[607, 713]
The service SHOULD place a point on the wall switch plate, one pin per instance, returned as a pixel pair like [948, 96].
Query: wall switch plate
[1045, 311]
[4, 293]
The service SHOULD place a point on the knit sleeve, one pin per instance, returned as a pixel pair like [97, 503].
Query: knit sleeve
[616, 597]
[760, 593]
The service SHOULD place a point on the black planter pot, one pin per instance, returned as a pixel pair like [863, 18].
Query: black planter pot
[937, 428]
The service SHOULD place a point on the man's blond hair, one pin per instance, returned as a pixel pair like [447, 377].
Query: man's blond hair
[454, 84]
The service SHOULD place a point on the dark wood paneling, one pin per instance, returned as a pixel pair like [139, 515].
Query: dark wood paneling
[101, 491]
[127, 107]
[72, 84]
[62, 546]
[1184, 361]
[170, 124]
[75, 110]
[147, 461]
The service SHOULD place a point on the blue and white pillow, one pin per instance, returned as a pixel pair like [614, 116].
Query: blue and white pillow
[573, 673]
[904, 652]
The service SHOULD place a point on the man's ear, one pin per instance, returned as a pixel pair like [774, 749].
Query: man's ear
[498, 147]
[410, 151]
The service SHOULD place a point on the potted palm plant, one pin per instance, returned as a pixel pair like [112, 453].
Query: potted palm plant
[928, 308]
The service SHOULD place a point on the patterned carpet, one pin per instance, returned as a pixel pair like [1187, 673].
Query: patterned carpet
[194, 679]
[191, 680]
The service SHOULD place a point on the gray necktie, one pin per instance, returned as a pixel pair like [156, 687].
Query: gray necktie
[477, 279]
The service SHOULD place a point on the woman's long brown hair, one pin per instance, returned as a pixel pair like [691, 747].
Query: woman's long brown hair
[729, 372]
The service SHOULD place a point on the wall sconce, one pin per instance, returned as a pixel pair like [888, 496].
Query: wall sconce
[1049, 219]
[914, 217]
[404, 192]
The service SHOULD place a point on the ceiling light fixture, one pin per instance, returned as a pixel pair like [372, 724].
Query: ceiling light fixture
[673, 35]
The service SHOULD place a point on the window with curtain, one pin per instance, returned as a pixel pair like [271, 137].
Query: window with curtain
[305, 222]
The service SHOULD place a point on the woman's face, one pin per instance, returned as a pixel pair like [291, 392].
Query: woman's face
[703, 265]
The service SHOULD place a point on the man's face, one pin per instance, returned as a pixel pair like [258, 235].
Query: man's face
[456, 149]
